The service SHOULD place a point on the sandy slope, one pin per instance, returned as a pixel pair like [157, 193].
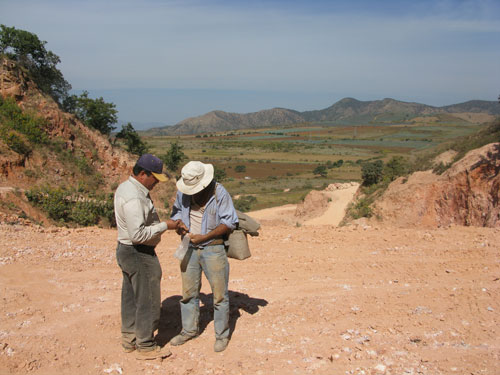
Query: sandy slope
[311, 300]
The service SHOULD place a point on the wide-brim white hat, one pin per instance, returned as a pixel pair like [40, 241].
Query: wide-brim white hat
[195, 176]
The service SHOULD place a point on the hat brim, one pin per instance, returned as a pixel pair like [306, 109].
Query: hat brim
[202, 184]
[160, 177]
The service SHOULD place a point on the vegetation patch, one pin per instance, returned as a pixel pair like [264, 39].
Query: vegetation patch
[21, 132]
[68, 206]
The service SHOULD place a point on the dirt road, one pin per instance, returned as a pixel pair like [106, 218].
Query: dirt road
[311, 300]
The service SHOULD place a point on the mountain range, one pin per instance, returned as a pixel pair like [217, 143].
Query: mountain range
[347, 111]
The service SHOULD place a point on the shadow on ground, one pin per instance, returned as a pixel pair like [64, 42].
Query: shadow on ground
[170, 319]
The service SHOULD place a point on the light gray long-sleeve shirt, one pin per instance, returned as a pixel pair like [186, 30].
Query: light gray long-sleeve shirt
[136, 216]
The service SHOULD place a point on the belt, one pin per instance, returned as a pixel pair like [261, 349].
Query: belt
[145, 249]
[217, 241]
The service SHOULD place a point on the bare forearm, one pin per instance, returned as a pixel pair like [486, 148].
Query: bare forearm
[218, 232]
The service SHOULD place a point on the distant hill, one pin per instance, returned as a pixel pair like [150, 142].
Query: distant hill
[347, 111]
[222, 121]
[350, 110]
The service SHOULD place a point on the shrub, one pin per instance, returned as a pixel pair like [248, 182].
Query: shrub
[18, 130]
[219, 174]
[397, 166]
[66, 206]
[244, 203]
[51, 200]
[441, 168]
[320, 170]
[30, 173]
[362, 208]
[372, 172]
[16, 143]
[83, 214]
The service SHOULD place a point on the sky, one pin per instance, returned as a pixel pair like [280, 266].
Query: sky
[161, 61]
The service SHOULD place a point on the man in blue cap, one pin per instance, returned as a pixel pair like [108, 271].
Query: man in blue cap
[139, 231]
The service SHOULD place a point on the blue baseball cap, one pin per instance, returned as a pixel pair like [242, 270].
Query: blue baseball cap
[152, 164]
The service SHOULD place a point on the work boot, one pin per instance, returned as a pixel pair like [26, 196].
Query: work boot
[181, 338]
[157, 352]
[128, 349]
[220, 345]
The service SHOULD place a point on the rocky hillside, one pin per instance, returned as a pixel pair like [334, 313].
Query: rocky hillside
[468, 194]
[71, 134]
[72, 154]
[346, 111]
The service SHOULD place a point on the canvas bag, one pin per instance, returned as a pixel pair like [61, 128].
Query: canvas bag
[237, 242]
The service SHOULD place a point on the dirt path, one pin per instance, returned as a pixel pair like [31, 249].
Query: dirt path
[311, 300]
[338, 198]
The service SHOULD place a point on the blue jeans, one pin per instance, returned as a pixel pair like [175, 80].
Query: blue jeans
[141, 296]
[212, 260]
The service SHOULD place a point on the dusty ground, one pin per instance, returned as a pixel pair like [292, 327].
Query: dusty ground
[311, 300]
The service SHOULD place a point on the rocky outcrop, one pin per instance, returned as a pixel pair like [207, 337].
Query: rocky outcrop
[468, 194]
[13, 81]
[315, 204]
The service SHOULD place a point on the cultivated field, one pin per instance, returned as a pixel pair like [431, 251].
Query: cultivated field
[276, 165]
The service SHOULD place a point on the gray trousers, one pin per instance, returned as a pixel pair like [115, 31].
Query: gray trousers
[141, 296]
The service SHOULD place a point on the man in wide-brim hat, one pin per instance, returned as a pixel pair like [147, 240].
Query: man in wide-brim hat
[206, 208]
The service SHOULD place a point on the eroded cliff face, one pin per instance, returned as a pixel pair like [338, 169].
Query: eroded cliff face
[113, 163]
[468, 193]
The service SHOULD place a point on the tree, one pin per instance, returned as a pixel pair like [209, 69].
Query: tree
[135, 144]
[95, 113]
[372, 172]
[397, 166]
[174, 156]
[28, 51]
[321, 170]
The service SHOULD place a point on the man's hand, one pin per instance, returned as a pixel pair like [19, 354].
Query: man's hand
[197, 238]
[218, 232]
[181, 228]
[178, 226]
